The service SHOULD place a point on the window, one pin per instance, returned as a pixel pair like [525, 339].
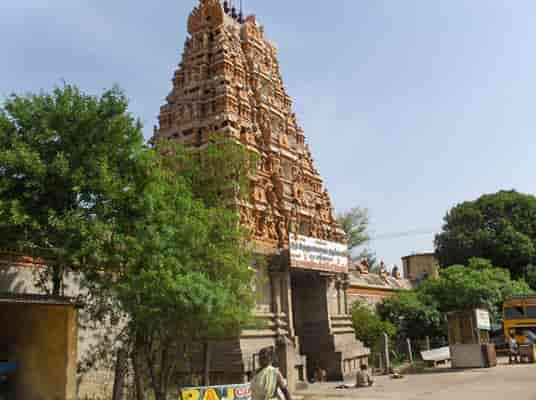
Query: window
[531, 312]
[514, 312]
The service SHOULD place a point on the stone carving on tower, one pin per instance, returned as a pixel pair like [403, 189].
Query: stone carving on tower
[229, 82]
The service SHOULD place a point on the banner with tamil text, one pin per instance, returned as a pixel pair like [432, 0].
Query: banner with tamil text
[316, 254]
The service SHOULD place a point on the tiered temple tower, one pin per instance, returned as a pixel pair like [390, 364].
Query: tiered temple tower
[229, 83]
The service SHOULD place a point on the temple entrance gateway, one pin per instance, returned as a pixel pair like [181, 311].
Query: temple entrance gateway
[311, 321]
[319, 279]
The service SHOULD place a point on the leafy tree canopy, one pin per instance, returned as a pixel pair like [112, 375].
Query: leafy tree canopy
[355, 223]
[421, 312]
[414, 317]
[500, 227]
[184, 273]
[153, 230]
[369, 327]
[478, 284]
[530, 276]
[63, 155]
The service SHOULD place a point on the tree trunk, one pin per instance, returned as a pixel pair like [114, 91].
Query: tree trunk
[138, 370]
[138, 378]
[57, 277]
[206, 363]
[120, 372]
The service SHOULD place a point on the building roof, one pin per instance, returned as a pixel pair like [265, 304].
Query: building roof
[424, 254]
[25, 298]
[376, 281]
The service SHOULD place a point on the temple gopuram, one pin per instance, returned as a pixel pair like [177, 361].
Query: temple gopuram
[229, 83]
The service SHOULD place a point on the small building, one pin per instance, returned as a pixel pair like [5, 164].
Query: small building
[49, 328]
[420, 266]
[39, 334]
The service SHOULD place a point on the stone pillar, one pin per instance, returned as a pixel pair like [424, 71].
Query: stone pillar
[286, 300]
[276, 293]
[330, 291]
[286, 353]
[345, 294]
[338, 286]
[282, 303]
[410, 351]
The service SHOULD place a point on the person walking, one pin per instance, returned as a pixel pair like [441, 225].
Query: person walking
[513, 347]
[268, 380]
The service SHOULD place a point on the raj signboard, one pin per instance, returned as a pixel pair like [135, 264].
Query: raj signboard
[228, 392]
[316, 254]
[482, 320]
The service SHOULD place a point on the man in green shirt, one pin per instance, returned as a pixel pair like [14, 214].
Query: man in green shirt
[268, 379]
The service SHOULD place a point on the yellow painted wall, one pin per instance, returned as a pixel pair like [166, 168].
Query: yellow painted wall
[43, 339]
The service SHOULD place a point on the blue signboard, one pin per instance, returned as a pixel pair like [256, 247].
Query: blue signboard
[227, 392]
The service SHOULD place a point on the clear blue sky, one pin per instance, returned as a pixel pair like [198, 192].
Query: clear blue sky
[409, 106]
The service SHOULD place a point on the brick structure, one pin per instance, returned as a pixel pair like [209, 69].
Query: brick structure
[229, 83]
[420, 266]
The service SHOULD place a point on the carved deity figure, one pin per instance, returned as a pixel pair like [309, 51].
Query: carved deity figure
[383, 270]
[260, 225]
[315, 231]
[267, 164]
[247, 220]
[271, 228]
[271, 197]
[363, 266]
[396, 272]
[282, 230]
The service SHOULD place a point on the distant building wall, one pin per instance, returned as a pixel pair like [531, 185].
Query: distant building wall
[420, 266]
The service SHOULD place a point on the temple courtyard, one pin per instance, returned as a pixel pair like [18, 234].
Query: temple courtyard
[505, 382]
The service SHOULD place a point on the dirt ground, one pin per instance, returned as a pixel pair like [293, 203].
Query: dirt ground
[504, 382]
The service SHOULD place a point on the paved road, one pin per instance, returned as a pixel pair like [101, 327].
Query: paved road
[505, 382]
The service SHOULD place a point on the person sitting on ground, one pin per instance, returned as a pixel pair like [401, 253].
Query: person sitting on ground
[268, 379]
[320, 375]
[513, 347]
[363, 377]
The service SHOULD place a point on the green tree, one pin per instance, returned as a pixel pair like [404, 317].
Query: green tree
[355, 224]
[479, 284]
[413, 317]
[153, 233]
[500, 227]
[530, 276]
[62, 155]
[184, 275]
[369, 327]
[422, 312]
